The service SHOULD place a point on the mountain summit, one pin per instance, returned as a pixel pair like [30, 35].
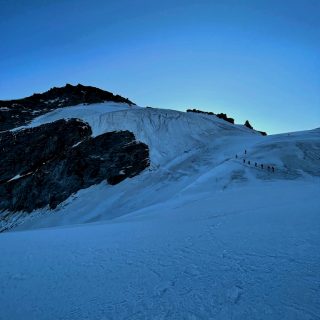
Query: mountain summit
[18, 112]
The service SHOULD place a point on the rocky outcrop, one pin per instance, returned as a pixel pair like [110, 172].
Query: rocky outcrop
[248, 125]
[44, 165]
[14, 113]
[222, 116]
[25, 151]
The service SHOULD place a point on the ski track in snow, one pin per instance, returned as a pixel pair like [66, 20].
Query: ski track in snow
[199, 235]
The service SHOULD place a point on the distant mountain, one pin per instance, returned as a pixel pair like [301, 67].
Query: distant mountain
[18, 112]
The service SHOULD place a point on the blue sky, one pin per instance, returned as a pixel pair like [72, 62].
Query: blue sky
[253, 59]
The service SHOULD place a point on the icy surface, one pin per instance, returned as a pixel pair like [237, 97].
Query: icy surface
[201, 235]
[186, 149]
[168, 133]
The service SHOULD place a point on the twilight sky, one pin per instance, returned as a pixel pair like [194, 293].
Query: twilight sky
[252, 59]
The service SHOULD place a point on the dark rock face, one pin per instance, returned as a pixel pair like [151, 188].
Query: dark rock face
[26, 150]
[14, 113]
[225, 117]
[248, 125]
[263, 133]
[57, 159]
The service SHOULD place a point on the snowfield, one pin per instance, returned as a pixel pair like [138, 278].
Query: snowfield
[201, 234]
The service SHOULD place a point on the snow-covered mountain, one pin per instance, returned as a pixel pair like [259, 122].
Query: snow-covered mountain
[20, 111]
[223, 224]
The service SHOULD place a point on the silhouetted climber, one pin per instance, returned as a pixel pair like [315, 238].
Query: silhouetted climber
[272, 169]
[249, 162]
[236, 156]
[268, 168]
[245, 151]
[262, 166]
[255, 164]
[244, 160]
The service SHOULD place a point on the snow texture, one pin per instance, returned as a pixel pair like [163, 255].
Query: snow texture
[203, 234]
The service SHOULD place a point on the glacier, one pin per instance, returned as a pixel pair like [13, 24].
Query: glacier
[201, 234]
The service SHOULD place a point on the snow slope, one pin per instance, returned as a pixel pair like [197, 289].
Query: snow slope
[168, 133]
[185, 149]
[243, 253]
[201, 235]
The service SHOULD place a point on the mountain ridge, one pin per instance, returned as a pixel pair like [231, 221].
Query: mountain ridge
[17, 112]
